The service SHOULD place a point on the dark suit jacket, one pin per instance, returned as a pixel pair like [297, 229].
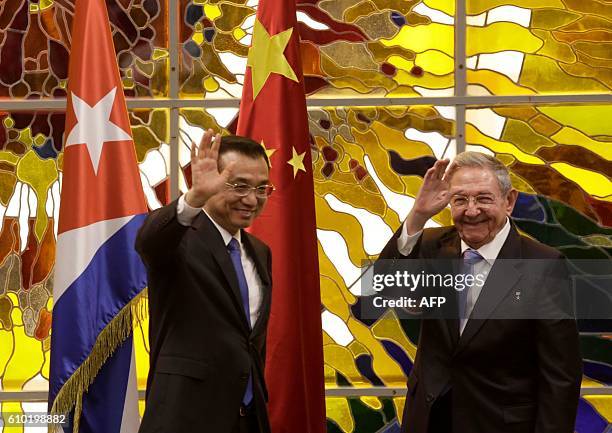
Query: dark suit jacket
[505, 375]
[202, 350]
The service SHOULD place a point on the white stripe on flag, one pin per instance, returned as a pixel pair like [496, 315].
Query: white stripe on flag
[130, 420]
[76, 248]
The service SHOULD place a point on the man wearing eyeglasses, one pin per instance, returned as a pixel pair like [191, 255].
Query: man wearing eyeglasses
[481, 372]
[209, 295]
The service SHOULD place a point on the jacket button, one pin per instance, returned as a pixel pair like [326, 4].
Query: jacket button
[244, 376]
[430, 398]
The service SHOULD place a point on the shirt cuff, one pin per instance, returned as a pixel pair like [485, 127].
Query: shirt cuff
[406, 242]
[185, 214]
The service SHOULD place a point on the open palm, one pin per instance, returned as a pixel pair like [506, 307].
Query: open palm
[206, 180]
[434, 194]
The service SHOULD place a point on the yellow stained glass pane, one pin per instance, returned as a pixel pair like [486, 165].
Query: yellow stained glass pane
[544, 47]
[559, 151]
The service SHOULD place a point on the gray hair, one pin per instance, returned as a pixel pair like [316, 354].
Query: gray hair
[482, 160]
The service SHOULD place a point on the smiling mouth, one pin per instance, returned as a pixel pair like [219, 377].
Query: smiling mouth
[473, 223]
[245, 212]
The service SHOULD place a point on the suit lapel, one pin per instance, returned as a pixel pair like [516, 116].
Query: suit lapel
[219, 251]
[259, 257]
[499, 282]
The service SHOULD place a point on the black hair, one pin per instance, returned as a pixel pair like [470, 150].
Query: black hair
[243, 146]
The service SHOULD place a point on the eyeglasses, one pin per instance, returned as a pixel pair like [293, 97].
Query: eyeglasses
[242, 189]
[481, 201]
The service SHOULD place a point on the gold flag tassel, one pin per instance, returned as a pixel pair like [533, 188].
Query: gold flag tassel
[116, 332]
[78, 408]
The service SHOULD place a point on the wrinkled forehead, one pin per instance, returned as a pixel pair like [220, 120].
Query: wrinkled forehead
[474, 181]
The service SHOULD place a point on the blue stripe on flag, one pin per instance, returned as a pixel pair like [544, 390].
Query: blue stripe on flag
[112, 279]
[103, 403]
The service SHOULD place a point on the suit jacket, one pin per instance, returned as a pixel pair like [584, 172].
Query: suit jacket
[505, 375]
[202, 350]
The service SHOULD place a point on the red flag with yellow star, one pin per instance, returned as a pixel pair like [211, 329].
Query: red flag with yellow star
[273, 112]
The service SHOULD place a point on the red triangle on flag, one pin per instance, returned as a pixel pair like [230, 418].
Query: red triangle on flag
[100, 180]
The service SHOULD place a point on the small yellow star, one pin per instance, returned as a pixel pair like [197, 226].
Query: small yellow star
[266, 56]
[269, 152]
[297, 162]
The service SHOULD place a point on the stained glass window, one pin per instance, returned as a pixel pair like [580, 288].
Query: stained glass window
[557, 153]
[35, 46]
[529, 48]
[348, 48]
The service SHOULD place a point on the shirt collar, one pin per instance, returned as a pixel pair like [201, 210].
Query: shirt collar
[491, 250]
[227, 236]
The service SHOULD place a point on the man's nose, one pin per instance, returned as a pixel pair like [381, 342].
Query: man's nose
[250, 199]
[472, 208]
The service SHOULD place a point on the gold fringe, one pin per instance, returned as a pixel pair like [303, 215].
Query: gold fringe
[140, 308]
[116, 332]
[77, 412]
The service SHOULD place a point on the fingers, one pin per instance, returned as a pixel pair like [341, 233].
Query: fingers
[214, 148]
[449, 172]
[436, 172]
[208, 148]
[441, 167]
[193, 152]
[205, 144]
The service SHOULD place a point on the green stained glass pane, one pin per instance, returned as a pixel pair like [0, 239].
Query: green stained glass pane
[348, 48]
[524, 48]
[35, 47]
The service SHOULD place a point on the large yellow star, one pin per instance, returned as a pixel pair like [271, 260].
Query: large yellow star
[297, 162]
[266, 56]
[269, 152]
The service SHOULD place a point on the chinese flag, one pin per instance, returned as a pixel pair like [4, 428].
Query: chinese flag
[273, 112]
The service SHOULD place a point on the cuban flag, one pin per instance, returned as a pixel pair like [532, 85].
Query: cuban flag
[98, 274]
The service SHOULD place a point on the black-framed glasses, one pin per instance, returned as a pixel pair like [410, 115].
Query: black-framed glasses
[242, 189]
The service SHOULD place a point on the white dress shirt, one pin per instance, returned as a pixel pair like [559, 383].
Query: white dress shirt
[490, 251]
[185, 215]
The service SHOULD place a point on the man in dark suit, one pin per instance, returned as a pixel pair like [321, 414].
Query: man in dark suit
[480, 372]
[209, 296]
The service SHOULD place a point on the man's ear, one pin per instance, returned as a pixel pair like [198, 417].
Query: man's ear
[511, 200]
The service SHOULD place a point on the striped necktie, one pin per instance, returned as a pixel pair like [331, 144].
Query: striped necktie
[470, 259]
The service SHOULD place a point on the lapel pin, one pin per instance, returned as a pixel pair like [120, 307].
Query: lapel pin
[517, 295]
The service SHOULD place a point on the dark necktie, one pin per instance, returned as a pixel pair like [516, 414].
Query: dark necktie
[470, 258]
[234, 251]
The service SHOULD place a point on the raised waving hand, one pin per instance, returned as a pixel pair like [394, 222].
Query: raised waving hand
[433, 196]
[206, 179]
